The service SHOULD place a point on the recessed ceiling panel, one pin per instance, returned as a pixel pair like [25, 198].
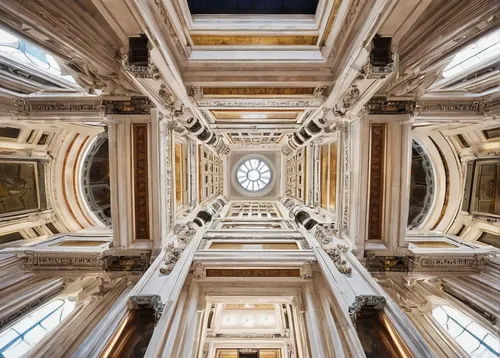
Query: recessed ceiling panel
[244, 7]
[258, 91]
[255, 138]
[256, 116]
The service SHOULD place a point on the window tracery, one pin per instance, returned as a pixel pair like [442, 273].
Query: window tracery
[254, 175]
[485, 48]
[471, 336]
[24, 53]
[26, 333]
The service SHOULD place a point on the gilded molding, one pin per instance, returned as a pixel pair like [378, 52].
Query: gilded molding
[141, 182]
[252, 272]
[259, 103]
[258, 91]
[242, 40]
[376, 186]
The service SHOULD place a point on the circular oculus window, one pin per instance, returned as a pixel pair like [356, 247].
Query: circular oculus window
[254, 175]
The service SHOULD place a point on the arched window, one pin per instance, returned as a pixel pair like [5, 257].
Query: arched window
[470, 336]
[17, 340]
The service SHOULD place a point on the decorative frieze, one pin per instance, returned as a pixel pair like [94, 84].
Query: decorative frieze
[462, 106]
[345, 175]
[50, 107]
[89, 262]
[338, 259]
[259, 103]
[141, 182]
[127, 263]
[365, 302]
[172, 255]
[246, 336]
[351, 96]
[325, 232]
[370, 72]
[66, 261]
[376, 263]
[474, 263]
[184, 233]
[135, 105]
[145, 72]
[376, 193]
[253, 272]
[383, 106]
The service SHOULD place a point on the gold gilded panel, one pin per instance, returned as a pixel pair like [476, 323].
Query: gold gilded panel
[332, 171]
[432, 244]
[331, 17]
[253, 272]
[269, 353]
[255, 115]
[324, 175]
[227, 353]
[220, 40]
[178, 173]
[18, 187]
[257, 91]
[141, 181]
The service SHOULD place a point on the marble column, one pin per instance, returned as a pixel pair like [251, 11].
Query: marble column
[313, 323]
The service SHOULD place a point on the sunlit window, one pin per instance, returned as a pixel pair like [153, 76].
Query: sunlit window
[25, 334]
[22, 52]
[485, 48]
[472, 337]
[254, 175]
